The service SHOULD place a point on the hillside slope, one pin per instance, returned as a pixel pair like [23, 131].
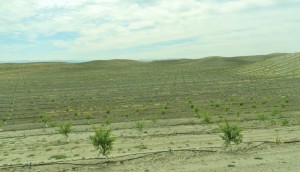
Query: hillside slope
[227, 62]
[286, 65]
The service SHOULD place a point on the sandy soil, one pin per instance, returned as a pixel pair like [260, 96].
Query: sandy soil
[169, 145]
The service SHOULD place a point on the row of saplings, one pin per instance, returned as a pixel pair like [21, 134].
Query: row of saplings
[103, 139]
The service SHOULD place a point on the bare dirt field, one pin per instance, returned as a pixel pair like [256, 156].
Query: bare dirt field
[167, 145]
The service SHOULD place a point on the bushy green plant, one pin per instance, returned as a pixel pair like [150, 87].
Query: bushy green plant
[196, 110]
[231, 133]
[262, 117]
[140, 125]
[65, 129]
[45, 119]
[103, 140]
[264, 102]
[163, 111]
[283, 104]
[5, 117]
[192, 106]
[207, 118]
[76, 114]
[4, 121]
[275, 112]
[285, 122]
[88, 117]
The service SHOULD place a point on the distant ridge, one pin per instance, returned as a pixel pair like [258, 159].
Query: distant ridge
[37, 61]
[245, 58]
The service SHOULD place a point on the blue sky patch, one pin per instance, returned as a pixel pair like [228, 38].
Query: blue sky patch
[64, 36]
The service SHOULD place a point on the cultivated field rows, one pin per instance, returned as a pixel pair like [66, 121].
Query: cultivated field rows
[162, 113]
[38, 146]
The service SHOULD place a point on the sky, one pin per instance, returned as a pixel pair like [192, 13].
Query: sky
[84, 30]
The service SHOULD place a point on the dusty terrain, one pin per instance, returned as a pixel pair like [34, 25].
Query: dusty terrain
[167, 145]
[181, 103]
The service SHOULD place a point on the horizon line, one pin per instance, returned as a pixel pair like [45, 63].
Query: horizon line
[137, 60]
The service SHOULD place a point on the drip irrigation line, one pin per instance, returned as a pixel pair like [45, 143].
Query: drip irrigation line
[140, 155]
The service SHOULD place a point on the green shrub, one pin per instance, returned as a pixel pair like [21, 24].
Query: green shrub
[231, 133]
[65, 129]
[196, 110]
[45, 119]
[103, 140]
[283, 105]
[207, 118]
[285, 122]
[163, 111]
[88, 116]
[275, 112]
[264, 102]
[140, 125]
[76, 114]
[261, 117]
[192, 106]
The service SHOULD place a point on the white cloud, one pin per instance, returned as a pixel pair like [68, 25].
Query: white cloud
[105, 25]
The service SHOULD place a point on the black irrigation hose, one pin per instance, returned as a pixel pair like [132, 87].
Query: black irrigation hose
[269, 142]
[143, 155]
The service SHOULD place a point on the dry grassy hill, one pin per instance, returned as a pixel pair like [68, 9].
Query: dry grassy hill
[285, 65]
